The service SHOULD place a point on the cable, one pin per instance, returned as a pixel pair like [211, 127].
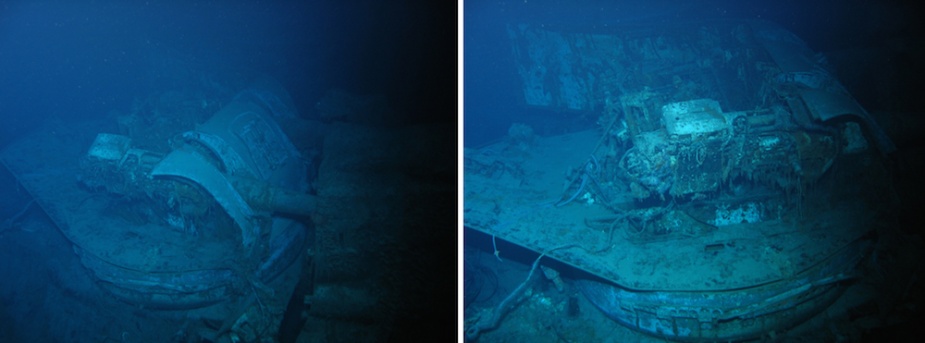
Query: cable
[584, 181]
[498, 312]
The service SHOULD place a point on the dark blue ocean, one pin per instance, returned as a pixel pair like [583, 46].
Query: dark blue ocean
[128, 131]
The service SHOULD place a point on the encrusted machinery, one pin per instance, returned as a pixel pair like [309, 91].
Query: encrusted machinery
[687, 109]
[239, 159]
[212, 225]
[719, 200]
[238, 170]
[697, 149]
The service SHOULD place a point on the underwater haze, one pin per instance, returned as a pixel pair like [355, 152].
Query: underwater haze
[226, 171]
[67, 59]
[878, 33]
[695, 171]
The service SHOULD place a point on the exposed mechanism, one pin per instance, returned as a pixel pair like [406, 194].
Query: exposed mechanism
[692, 206]
[697, 114]
[212, 224]
[239, 160]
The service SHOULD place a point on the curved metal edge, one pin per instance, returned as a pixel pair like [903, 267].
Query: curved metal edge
[826, 106]
[826, 99]
[186, 290]
[177, 290]
[231, 160]
[731, 315]
[192, 166]
[168, 301]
